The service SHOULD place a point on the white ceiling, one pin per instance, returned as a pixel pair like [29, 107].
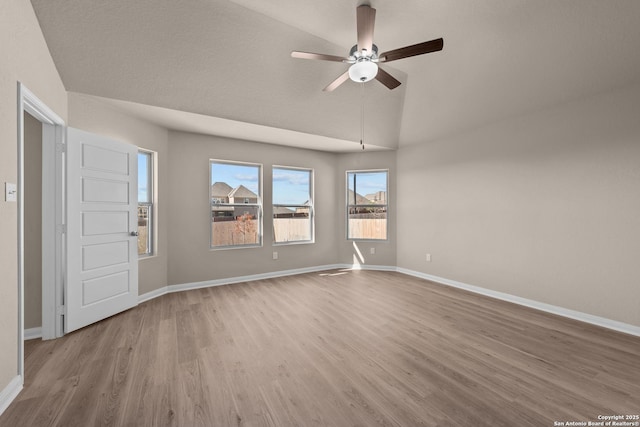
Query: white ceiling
[200, 123]
[230, 60]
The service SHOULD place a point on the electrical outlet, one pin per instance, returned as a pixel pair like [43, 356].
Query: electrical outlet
[275, 255]
[372, 251]
[428, 257]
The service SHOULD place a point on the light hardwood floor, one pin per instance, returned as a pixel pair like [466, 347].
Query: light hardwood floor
[340, 348]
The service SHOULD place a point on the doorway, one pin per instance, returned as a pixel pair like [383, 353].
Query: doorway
[32, 227]
[34, 114]
[88, 218]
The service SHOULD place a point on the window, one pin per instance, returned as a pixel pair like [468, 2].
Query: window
[292, 205]
[236, 204]
[145, 203]
[367, 200]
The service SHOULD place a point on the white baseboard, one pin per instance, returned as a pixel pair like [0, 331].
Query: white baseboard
[228, 281]
[153, 294]
[33, 333]
[560, 311]
[10, 392]
[369, 267]
[553, 309]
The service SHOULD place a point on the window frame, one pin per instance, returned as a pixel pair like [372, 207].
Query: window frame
[355, 205]
[258, 205]
[311, 206]
[150, 204]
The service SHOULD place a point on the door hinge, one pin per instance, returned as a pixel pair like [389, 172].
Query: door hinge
[61, 310]
[61, 228]
[61, 147]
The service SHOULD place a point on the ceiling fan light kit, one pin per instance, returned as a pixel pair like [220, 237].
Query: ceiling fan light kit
[364, 66]
[363, 71]
[364, 55]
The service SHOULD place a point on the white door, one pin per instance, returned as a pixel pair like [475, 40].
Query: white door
[101, 208]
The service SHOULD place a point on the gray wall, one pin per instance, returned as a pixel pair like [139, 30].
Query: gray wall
[191, 258]
[25, 58]
[543, 206]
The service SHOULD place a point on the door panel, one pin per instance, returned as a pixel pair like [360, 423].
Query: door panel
[102, 190]
[102, 200]
[94, 223]
[104, 255]
[104, 288]
[98, 158]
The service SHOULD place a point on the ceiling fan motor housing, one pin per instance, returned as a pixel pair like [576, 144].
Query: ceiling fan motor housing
[354, 53]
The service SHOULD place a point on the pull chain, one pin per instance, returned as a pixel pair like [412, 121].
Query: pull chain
[362, 117]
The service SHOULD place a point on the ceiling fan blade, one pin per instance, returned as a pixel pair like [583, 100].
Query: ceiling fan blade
[387, 79]
[337, 82]
[366, 18]
[321, 56]
[413, 50]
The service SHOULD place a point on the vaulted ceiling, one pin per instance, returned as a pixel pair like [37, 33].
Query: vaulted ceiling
[224, 67]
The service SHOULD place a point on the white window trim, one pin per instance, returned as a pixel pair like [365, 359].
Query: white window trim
[153, 230]
[312, 214]
[386, 239]
[259, 205]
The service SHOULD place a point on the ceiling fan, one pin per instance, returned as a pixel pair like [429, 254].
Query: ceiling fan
[364, 56]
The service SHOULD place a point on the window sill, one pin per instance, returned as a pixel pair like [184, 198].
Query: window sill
[369, 240]
[226, 248]
[299, 242]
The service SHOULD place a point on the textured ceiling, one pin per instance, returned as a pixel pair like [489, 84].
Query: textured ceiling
[230, 60]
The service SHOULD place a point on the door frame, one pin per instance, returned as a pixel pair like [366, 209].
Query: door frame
[53, 145]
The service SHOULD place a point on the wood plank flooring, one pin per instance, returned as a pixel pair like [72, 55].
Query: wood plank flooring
[339, 348]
